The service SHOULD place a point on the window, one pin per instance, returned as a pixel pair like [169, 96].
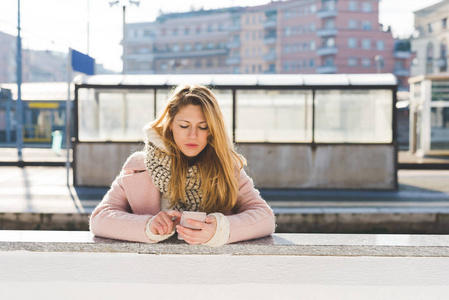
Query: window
[175, 48]
[352, 43]
[429, 28]
[380, 45]
[366, 62]
[353, 5]
[353, 24]
[358, 116]
[175, 31]
[187, 47]
[111, 114]
[210, 46]
[329, 61]
[272, 115]
[366, 25]
[210, 28]
[287, 31]
[367, 7]
[186, 31]
[287, 49]
[366, 44]
[286, 66]
[312, 46]
[247, 54]
[330, 23]
[312, 27]
[210, 63]
[198, 46]
[330, 42]
[352, 62]
[311, 63]
[236, 70]
[198, 63]
[444, 23]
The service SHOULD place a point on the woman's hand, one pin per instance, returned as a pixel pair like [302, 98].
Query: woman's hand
[202, 236]
[165, 221]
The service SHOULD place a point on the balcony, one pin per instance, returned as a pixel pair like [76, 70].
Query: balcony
[270, 23]
[326, 69]
[325, 32]
[183, 54]
[401, 72]
[402, 54]
[270, 40]
[270, 56]
[233, 60]
[235, 27]
[233, 44]
[326, 51]
[326, 13]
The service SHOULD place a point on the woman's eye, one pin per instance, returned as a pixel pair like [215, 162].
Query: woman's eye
[203, 128]
[183, 126]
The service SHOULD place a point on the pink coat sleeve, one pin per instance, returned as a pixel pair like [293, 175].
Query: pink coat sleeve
[113, 217]
[252, 217]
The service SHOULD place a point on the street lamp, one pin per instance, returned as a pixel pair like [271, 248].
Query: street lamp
[124, 4]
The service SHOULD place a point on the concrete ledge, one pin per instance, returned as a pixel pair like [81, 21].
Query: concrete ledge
[278, 244]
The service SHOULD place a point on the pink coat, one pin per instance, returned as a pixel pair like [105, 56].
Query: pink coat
[133, 199]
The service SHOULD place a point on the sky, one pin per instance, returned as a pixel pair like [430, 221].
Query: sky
[60, 24]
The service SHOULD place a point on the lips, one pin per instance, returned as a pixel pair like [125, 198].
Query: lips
[192, 145]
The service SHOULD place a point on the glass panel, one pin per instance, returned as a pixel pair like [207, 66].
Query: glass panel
[114, 114]
[353, 116]
[274, 116]
[440, 91]
[439, 135]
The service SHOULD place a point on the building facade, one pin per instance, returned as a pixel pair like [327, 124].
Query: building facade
[431, 39]
[284, 37]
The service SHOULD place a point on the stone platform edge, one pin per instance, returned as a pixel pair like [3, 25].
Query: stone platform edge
[277, 244]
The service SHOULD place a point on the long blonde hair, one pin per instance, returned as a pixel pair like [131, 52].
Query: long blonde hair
[218, 164]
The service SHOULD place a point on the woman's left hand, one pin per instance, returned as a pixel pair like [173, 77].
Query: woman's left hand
[202, 236]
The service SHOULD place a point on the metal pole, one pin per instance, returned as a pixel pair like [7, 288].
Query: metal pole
[88, 26]
[67, 114]
[124, 40]
[19, 104]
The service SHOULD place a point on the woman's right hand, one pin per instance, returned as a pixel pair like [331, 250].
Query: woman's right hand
[164, 222]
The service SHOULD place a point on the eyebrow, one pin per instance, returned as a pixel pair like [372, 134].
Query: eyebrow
[189, 122]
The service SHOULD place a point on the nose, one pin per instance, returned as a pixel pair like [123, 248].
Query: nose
[193, 132]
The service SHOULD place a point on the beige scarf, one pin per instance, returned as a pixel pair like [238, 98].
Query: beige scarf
[158, 165]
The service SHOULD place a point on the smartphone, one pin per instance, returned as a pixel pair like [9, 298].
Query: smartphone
[194, 215]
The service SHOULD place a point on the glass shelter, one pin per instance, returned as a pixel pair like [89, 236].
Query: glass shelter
[297, 131]
[429, 115]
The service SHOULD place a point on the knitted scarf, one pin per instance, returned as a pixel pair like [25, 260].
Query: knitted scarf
[158, 165]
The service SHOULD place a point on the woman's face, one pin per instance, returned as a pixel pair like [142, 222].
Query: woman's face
[190, 130]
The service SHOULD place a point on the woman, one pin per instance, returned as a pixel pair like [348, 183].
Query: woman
[188, 164]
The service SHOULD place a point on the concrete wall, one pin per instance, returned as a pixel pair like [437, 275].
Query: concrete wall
[270, 165]
[333, 166]
[97, 164]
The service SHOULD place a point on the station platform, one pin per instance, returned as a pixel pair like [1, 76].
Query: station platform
[38, 197]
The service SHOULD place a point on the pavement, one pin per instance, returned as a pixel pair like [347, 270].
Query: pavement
[36, 192]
